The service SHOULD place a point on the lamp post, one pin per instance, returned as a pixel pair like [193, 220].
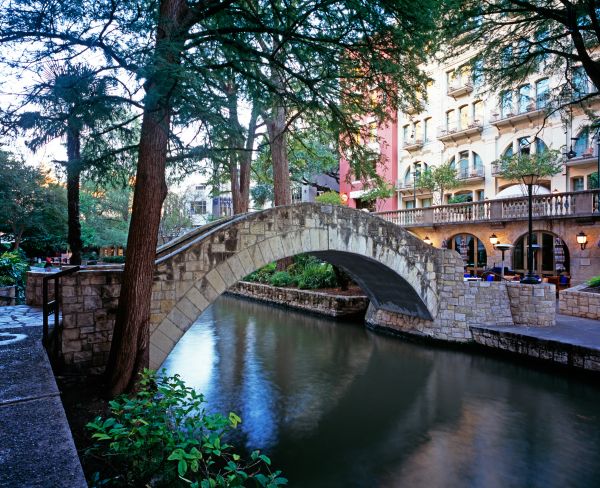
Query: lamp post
[502, 248]
[530, 180]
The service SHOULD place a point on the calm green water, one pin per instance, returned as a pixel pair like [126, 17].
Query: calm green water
[337, 406]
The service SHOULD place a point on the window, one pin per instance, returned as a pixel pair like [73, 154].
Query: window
[542, 90]
[550, 254]
[581, 146]
[577, 183]
[426, 202]
[540, 146]
[506, 104]
[522, 49]
[450, 79]
[480, 195]
[426, 129]
[478, 112]
[506, 56]
[406, 134]
[477, 164]
[463, 117]
[524, 146]
[450, 120]
[200, 187]
[464, 73]
[478, 73]
[199, 207]
[410, 204]
[418, 131]
[463, 164]
[472, 251]
[580, 82]
[524, 98]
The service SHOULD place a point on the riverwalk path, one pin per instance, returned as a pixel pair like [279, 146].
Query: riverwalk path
[36, 445]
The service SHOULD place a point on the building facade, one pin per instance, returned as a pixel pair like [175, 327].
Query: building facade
[465, 125]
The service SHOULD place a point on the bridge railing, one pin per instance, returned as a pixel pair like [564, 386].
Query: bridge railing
[556, 205]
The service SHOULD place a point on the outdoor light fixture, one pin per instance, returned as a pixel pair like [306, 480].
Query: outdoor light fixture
[530, 180]
[427, 240]
[493, 240]
[582, 240]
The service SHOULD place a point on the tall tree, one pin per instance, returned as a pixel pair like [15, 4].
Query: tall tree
[336, 51]
[73, 101]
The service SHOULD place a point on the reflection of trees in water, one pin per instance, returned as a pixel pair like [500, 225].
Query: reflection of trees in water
[338, 406]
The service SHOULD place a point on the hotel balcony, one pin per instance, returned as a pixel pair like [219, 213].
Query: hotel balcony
[587, 157]
[459, 89]
[580, 204]
[456, 134]
[413, 145]
[532, 113]
[474, 174]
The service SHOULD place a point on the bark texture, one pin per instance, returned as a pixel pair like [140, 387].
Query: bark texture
[129, 349]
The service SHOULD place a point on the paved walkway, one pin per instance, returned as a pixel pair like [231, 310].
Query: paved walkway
[36, 446]
[569, 330]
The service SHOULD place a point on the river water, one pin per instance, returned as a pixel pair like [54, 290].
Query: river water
[335, 405]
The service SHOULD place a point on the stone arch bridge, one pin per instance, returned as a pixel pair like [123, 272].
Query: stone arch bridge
[399, 273]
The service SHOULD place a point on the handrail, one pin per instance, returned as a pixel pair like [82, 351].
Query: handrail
[52, 306]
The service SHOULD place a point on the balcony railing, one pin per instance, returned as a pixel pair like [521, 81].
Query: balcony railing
[587, 156]
[455, 133]
[467, 174]
[459, 88]
[413, 145]
[555, 206]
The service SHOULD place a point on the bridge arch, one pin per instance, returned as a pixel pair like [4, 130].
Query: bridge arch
[398, 271]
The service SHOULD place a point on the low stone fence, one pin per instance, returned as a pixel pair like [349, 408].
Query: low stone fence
[312, 301]
[33, 289]
[8, 296]
[579, 303]
[483, 303]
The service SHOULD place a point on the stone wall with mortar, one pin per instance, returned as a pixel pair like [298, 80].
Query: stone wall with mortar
[557, 352]
[533, 305]
[89, 304]
[310, 300]
[579, 303]
[482, 303]
[8, 296]
[33, 289]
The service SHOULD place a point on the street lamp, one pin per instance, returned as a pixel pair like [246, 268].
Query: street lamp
[493, 240]
[530, 180]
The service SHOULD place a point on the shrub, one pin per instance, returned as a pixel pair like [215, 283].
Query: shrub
[282, 278]
[113, 259]
[317, 275]
[594, 282]
[13, 271]
[329, 197]
[161, 436]
[262, 275]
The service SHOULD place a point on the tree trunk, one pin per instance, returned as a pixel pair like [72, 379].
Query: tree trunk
[129, 352]
[276, 128]
[73, 176]
[246, 161]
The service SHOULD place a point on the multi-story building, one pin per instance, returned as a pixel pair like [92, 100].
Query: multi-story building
[467, 126]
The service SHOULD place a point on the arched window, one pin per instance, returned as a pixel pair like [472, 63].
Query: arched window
[463, 164]
[506, 104]
[582, 144]
[450, 120]
[525, 146]
[463, 117]
[542, 93]
[472, 251]
[550, 254]
[524, 98]
[478, 112]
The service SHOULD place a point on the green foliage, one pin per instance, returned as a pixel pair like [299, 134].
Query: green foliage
[329, 197]
[594, 282]
[379, 190]
[262, 275]
[13, 271]
[162, 436]
[113, 259]
[546, 163]
[317, 275]
[438, 180]
[593, 181]
[175, 216]
[282, 278]
[460, 199]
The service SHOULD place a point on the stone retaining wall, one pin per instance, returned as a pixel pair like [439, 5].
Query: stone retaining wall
[89, 304]
[565, 354]
[574, 301]
[8, 296]
[483, 303]
[33, 289]
[313, 301]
